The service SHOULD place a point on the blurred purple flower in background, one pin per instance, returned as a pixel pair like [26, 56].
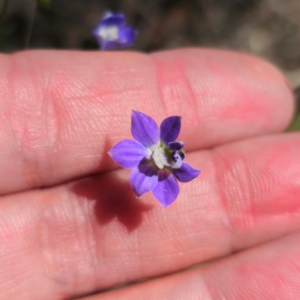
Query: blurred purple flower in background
[112, 32]
[156, 159]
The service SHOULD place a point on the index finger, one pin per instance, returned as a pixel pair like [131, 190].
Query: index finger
[62, 111]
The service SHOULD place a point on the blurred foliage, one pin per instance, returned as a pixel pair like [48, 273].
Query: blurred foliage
[295, 125]
[44, 2]
[266, 28]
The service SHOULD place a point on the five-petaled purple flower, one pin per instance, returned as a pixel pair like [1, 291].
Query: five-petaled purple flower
[112, 32]
[156, 159]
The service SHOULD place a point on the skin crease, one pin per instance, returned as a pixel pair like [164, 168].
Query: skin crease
[241, 276]
[73, 237]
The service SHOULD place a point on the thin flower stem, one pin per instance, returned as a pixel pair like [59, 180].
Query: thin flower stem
[4, 9]
[29, 31]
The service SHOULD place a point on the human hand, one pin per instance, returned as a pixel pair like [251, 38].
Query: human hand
[70, 224]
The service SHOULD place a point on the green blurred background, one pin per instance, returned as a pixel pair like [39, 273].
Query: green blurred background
[266, 28]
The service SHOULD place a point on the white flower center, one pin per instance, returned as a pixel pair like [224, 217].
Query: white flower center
[109, 33]
[165, 157]
[159, 157]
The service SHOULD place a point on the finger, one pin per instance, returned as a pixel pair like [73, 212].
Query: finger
[94, 234]
[269, 271]
[62, 111]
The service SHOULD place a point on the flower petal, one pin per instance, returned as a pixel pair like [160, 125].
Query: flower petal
[129, 153]
[144, 129]
[110, 19]
[107, 15]
[169, 129]
[175, 145]
[186, 173]
[143, 179]
[127, 36]
[167, 188]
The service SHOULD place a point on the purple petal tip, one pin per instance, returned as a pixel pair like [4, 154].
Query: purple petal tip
[170, 128]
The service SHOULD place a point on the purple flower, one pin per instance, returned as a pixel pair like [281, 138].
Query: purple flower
[156, 159]
[112, 32]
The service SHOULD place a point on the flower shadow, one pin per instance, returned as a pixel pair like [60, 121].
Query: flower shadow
[114, 199]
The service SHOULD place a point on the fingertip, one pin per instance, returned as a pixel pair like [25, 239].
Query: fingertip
[242, 94]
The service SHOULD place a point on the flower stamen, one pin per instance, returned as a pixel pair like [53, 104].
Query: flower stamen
[159, 157]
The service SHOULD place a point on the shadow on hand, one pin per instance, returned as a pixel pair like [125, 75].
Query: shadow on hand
[114, 199]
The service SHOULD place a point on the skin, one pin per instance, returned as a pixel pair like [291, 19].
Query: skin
[70, 225]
